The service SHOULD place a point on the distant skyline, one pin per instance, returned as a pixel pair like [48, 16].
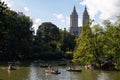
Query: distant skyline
[58, 11]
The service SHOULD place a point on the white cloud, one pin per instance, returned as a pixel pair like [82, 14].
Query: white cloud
[36, 23]
[2, 0]
[68, 20]
[79, 22]
[37, 20]
[26, 9]
[65, 20]
[107, 9]
[60, 17]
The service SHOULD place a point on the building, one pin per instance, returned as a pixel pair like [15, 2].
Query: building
[74, 28]
[85, 17]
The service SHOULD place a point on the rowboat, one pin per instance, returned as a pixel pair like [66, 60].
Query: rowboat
[55, 71]
[74, 70]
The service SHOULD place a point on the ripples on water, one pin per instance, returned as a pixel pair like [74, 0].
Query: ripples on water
[34, 72]
[103, 76]
[37, 73]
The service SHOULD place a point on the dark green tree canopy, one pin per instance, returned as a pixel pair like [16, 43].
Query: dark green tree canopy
[15, 34]
[48, 31]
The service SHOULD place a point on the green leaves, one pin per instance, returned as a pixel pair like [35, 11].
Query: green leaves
[100, 45]
[84, 47]
[15, 34]
[113, 43]
[47, 39]
[48, 31]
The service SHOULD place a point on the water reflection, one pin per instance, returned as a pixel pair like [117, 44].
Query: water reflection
[37, 73]
[103, 76]
[34, 72]
[9, 72]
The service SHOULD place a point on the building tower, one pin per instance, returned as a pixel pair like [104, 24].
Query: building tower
[74, 22]
[85, 17]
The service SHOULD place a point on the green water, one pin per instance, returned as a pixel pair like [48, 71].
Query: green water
[34, 72]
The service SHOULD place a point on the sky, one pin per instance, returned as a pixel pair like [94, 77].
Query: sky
[58, 11]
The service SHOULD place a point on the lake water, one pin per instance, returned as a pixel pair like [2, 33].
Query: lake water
[34, 72]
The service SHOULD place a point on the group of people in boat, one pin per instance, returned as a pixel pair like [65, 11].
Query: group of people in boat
[91, 67]
[73, 69]
[11, 65]
[52, 70]
[55, 71]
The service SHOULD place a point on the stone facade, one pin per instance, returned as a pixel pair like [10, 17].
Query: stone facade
[85, 17]
[74, 28]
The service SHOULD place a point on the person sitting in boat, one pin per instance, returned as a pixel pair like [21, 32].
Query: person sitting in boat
[56, 70]
[52, 69]
[10, 67]
[71, 68]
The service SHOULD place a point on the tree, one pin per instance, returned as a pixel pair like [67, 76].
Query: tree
[112, 47]
[83, 51]
[15, 35]
[48, 37]
[97, 29]
[3, 7]
[3, 32]
[99, 47]
[117, 21]
[67, 43]
[90, 46]
[107, 23]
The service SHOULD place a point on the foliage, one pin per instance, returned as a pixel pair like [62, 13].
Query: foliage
[113, 44]
[95, 45]
[15, 34]
[68, 41]
[48, 37]
[99, 46]
[83, 49]
[51, 41]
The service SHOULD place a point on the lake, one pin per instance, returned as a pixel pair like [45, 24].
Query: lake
[32, 71]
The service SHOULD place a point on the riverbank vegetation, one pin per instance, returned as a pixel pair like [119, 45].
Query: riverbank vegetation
[97, 45]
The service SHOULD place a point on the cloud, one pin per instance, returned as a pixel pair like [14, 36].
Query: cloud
[36, 23]
[68, 20]
[26, 11]
[79, 22]
[60, 17]
[105, 9]
[65, 20]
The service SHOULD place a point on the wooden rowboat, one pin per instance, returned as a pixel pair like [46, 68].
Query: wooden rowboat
[74, 70]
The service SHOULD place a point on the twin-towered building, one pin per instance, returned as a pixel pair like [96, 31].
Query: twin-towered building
[74, 28]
